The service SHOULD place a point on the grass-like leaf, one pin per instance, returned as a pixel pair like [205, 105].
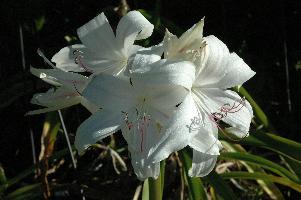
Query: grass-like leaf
[262, 176]
[272, 142]
[267, 164]
[195, 186]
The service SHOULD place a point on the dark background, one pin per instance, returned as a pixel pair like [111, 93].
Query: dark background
[258, 31]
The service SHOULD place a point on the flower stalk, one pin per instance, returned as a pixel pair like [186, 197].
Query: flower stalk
[155, 192]
[156, 186]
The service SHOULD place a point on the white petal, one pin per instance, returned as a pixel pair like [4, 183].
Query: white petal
[166, 72]
[140, 62]
[98, 36]
[56, 77]
[65, 58]
[142, 170]
[78, 58]
[239, 117]
[89, 105]
[55, 100]
[142, 134]
[178, 131]
[166, 98]
[206, 141]
[111, 67]
[133, 26]
[202, 164]
[100, 125]
[186, 46]
[222, 69]
[44, 110]
[110, 92]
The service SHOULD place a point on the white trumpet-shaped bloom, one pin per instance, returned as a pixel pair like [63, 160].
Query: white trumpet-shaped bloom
[209, 101]
[69, 87]
[160, 105]
[101, 50]
[140, 106]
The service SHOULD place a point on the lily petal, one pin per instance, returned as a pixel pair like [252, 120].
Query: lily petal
[65, 58]
[133, 26]
[54, 100]
[142, 170]
[206, 141]
[112, 93]
[78, 58]
[222, 69]
[239, 110]
[186, 46]
[142, 135]
[56, 77]
[179, 130]
[98, 36]
[89, 105]
[144, 57]
[100, 125]
[202, 164]
[166, 72]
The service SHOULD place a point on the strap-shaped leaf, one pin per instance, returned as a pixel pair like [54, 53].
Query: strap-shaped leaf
[267, 164]
[262, 176]
[195, 186]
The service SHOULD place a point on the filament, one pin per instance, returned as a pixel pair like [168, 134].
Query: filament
[78, 60]
[41, 54]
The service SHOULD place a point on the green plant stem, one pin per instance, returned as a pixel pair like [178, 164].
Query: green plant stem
[155, 188]
[162, 174]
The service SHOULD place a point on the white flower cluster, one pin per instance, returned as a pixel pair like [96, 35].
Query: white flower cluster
[163, 98]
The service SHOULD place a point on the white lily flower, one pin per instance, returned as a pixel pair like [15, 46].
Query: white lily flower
[139, 106]
[68, 92]
[101, 50]
[209, 100]
[188, 46]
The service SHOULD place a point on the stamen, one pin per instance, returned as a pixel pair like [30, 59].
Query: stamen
[78, 60]
[194, 125]
[74, 82]
[126, 119]
[144, 124]
[141, 124]
[224, 110]
[41, 54]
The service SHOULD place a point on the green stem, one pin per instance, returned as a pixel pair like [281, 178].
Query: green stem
[155, 188]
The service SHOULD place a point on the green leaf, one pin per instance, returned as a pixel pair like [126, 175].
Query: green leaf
[272, 142]
[196, 188]
[294, 166]
[267, 164]
[39, 23]
[269, 187]
[26, 192]
[262, 176]
[220, 186]
[3, 179]
[30, 170]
